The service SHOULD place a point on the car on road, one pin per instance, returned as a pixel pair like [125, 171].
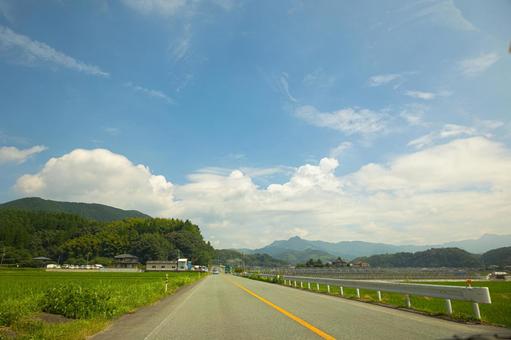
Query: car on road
[215, 271]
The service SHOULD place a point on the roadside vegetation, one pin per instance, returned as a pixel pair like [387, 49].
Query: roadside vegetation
[35, 304]
[496, 313]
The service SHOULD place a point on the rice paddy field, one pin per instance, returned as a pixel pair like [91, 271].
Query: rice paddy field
[35, 304]
[497, 313]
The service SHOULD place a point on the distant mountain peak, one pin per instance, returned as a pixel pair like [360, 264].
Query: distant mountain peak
[297, 248]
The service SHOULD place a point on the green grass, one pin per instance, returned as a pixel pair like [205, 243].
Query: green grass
[496, 313]
[25, 293]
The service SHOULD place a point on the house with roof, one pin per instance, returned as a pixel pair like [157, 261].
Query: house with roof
[126, 261]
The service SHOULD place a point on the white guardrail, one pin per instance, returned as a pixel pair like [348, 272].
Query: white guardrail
[476, 295]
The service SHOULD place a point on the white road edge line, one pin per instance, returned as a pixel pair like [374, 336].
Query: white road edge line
[160, 325]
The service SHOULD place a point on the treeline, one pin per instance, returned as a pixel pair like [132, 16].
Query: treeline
[441, 257]
[238, 260]
[73, 239]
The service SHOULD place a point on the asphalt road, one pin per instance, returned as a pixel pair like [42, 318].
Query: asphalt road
[228, 307]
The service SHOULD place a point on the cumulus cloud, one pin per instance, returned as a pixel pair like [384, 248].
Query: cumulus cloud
[349, 120]
[477, 65]
[456, 190]
[24, 50]
[100, 176]
[451, 191]
[11, 154]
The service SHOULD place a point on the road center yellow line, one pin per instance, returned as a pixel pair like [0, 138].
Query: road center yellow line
[286, 313]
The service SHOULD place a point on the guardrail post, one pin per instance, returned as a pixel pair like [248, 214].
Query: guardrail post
[328, 288]
[379, 295]
[341, 289]
[477, 312]
[448, 306]
[317, 286]
[358, 293]
[295, 284]
[408, 302]
[301, 284]
[309, 285]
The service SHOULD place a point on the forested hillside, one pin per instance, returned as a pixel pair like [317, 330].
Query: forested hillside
[94, 211]
[237, 259]
[436, 257]
[66, 237]
[497, 257]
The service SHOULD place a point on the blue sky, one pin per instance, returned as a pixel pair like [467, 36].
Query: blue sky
[383, 121]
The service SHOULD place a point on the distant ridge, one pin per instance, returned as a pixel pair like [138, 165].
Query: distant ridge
[94, 211]
[300, 248]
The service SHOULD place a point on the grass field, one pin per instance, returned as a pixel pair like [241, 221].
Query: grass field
[496, 313]
[88, 300]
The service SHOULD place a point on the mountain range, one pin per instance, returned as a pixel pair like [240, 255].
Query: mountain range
[94, 211]
[297, 250]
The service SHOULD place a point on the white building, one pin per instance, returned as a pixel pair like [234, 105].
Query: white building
[161, 266]
[182, 264]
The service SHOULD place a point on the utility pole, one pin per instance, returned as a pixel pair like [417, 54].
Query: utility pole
[3, 255]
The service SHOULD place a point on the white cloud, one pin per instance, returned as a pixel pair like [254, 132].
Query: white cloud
[427, 95]
[457, 190]
[150, 92]
[180, 47]
[103, 177]
[340, 149]
[284, 86]
[441, 13]
[448, 131]
[173, 7]
[383, 79]
[349, 120]
[421, 95]
[159, 7]
[477, 65]
[27, 51]
[413, 114]
[226, 4]
[11, 154]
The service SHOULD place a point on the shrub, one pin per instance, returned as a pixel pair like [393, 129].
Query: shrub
[74, 301]
[12, 310]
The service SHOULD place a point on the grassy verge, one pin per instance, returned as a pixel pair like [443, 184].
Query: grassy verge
[30, 300]
[496, 313]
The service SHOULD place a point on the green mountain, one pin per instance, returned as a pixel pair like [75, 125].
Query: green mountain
[436, 257]
[238, 259]
[497, 257]
[94, 211]
[73, 239]
[353, 249]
